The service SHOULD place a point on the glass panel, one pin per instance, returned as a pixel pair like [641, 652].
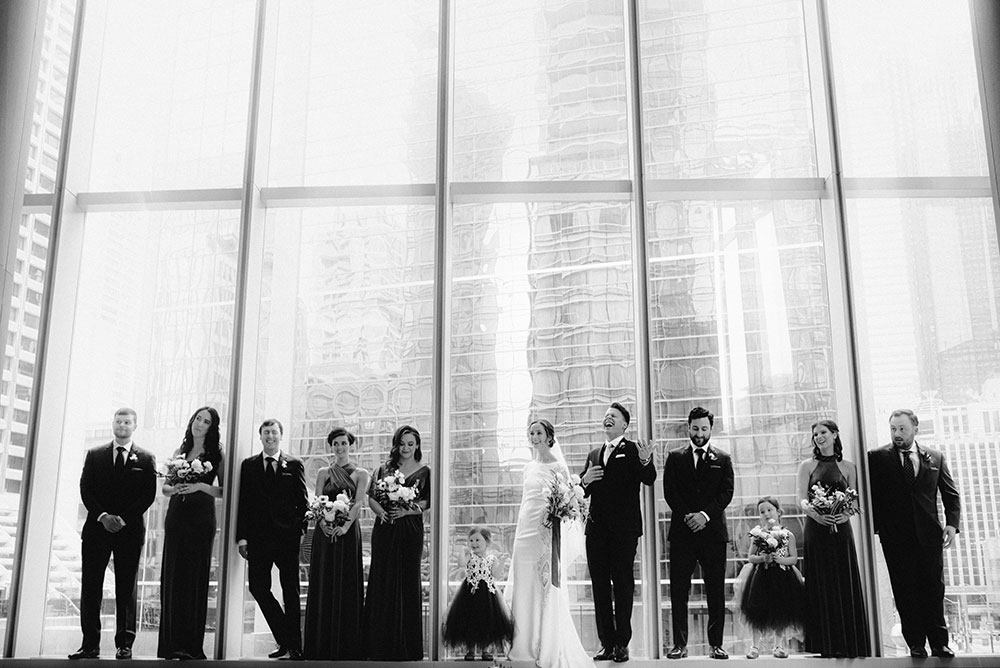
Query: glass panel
[739, 324]
[172, 93]
[725, 90]
[907, 92]
[926, 281]
[153, 331]
[542, 327]
[345, 340]
[20, 353]
[539, 91]
[355, 93]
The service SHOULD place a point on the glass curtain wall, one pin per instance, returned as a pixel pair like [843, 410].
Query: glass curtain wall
[742, 266]
[925, 272]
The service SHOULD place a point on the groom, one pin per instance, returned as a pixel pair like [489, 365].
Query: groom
[611, 479]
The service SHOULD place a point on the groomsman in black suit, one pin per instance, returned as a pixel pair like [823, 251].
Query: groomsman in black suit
[611, 479]
[118, 484]
[906, 479]
[269, 524]
[698, 485]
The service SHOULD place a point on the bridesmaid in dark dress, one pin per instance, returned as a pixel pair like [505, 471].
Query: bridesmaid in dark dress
[393, 610]
[188, 535]
[336, 575]
[836, 615]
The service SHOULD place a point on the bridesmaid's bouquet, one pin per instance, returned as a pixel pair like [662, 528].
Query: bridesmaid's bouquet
[828, 501]
[769, 540]
[179, 470]
[566, 501]
[334, 513]
[392, 492]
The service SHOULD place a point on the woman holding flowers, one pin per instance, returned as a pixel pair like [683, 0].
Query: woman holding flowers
[836, 618]
[537, 592]
[336, 574]
[193, 483]
[398, 495]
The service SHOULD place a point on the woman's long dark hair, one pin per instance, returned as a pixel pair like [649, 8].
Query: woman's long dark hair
[213, 451]
[397, 439]
[838, 448]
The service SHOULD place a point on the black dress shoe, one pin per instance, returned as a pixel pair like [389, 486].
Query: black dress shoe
[677, 652]
[605, 654]
[621, 654]
[124, 653]
[278, 652]
[918, 652]
[83, 653]
[293, 655]
[718, 653]
[942, 652]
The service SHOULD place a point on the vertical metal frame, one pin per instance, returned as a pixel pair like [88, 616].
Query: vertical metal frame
[440, 378]
[985, 17]
[640, 304]
[838, 233]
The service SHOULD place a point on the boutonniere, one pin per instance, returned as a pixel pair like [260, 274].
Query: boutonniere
[711, 456]
[133, 458]
[284, 464]
[926, 456]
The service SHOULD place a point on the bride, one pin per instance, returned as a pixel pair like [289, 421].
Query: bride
[543, 628]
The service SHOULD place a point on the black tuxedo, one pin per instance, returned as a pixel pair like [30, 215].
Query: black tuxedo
[271, 518]
[127, 493]
[906, 520]
[709, 490]
[614, 525]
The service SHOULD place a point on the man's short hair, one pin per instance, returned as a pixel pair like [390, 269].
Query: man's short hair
[899, 412]
[125, 410]
[698, 413]
[624, 411]
[269, 422]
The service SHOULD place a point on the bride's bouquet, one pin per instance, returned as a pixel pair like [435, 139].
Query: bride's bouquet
[827, 501]
[565, 502]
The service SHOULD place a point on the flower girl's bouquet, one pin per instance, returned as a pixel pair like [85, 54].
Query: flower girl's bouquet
[393, 492]
[769, 540]
[179, 470]
[827, 501]
[333, 513]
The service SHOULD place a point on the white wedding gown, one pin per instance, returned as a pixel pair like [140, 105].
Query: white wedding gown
[543, 629]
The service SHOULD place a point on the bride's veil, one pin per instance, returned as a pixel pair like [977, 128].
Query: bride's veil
[573, 539]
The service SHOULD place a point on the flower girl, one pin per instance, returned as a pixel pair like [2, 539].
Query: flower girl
[773, 601]
[478, 617]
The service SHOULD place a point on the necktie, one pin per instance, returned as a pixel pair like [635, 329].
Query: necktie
[908, 473]
[699, 457]
[270, 468]
[120, 459]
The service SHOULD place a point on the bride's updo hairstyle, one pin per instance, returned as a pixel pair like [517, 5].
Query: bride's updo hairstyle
[550, 431]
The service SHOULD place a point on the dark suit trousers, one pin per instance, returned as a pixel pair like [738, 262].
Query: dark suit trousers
[97, 548]
[711, 555]
[610, 558]
[285, 624]
[916, 573]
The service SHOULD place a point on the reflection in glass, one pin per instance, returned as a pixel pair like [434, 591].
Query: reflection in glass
[739, 324]
[345, 340]
[542, 326]
[726, 90]
[539, 91]
[907, 93]
[355, 93]
[927, 273]
[172, 83]
[153, 331]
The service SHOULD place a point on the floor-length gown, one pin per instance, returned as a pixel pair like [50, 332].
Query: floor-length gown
[188, 536]
[836, 617]
[543, 628]
[336, 584]
[393, 611]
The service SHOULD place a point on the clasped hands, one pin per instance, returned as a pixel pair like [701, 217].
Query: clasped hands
[112, 523]
[189, 487]
[695, 521]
